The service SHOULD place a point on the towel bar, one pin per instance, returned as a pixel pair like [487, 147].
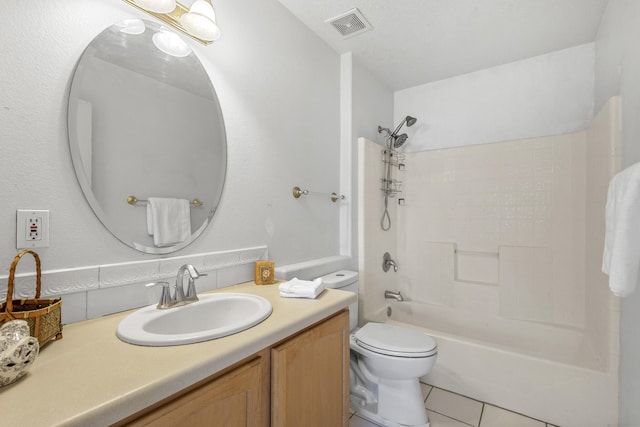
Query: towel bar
[133, 201]
[297, 192]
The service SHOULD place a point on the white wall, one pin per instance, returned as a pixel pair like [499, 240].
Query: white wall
[546, 95]
[372, 105]
[618, 73]
[278, 86]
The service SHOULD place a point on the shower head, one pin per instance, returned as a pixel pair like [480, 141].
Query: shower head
[410, 121]
[392, 137]
[399, 140]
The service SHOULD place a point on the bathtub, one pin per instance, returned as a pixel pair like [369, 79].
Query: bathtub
[558, 393]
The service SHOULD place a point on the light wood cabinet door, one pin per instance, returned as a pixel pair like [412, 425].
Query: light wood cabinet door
[238, 398]
[310, 377]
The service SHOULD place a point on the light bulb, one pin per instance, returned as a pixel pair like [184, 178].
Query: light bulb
[158, 6]
[200, 21]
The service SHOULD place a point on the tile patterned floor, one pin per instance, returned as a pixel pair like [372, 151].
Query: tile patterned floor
[447, 409]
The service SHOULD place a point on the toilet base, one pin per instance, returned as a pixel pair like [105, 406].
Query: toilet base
[388, 403]
[378, 420]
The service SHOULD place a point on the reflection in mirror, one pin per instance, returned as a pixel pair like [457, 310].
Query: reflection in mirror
[144, 121]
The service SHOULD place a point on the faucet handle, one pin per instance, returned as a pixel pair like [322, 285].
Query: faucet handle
[192, 295]
[387, 263]
[165, 297]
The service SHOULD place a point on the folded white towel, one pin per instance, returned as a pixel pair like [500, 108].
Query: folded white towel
[296, 288]
[169, 220]
[621, 258]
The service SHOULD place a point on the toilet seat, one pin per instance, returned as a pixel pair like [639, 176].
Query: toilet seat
[395, 341]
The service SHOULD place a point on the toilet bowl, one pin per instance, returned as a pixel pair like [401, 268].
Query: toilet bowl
[386, 364]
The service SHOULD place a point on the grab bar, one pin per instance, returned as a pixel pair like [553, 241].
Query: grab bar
[133, 201]
[297, 192]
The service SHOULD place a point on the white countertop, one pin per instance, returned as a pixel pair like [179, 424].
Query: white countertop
[91, 378]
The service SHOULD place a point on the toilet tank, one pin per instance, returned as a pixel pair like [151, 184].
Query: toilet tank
[345, 280]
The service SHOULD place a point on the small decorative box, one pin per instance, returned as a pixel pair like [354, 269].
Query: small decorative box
[264, 273]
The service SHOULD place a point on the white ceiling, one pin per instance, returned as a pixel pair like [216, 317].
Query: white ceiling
[415, 42]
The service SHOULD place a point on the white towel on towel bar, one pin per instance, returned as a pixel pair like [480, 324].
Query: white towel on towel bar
[169, 220]
[296, 288]
[621, 258]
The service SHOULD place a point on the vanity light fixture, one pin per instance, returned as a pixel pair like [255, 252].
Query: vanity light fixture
[198, 21]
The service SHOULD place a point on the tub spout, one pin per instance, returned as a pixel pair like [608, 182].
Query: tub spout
[393, 295]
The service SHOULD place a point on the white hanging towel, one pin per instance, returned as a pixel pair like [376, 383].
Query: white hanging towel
[168, 220]
[296, 288]
[621, 258]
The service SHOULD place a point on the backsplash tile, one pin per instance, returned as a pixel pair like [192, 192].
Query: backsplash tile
[209, 282]
[169, 266]
[114, 299]
[237, 274]
[74, 307]
[129, 272]
[216, 260]
[54, 282]
[99, 290]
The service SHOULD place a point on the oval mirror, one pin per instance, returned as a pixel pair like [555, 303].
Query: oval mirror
[145, 123]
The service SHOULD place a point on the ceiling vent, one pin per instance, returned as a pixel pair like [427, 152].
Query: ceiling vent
[350, 23]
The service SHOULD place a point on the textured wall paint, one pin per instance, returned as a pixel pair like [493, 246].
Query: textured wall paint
[278, 86]
[546, 95]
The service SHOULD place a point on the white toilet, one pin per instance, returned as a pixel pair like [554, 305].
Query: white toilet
[386, 364]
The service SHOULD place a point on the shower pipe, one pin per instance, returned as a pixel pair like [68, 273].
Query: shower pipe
[392, 140]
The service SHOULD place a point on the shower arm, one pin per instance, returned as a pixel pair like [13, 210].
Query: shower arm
[395, 132]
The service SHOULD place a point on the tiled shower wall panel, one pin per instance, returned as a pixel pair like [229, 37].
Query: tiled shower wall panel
[513, 218]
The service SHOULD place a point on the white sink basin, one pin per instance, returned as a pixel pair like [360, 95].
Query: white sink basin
[214, 316]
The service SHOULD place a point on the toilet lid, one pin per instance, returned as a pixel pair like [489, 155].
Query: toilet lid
[395, 340]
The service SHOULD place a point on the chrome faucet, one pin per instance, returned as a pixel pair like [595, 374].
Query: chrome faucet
[393, 295]
[387, 263]
[178, 298]
[179, 295]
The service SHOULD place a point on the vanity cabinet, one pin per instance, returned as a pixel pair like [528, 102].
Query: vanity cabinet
[310, 377]
[237, 398]
[302, 381]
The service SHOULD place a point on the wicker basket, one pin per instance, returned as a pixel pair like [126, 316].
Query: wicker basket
[44, 315]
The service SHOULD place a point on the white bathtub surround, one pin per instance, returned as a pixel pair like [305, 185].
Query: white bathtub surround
[518, 211]
[373, 242]
[523, 312]
[563, 394]
[99, 290]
